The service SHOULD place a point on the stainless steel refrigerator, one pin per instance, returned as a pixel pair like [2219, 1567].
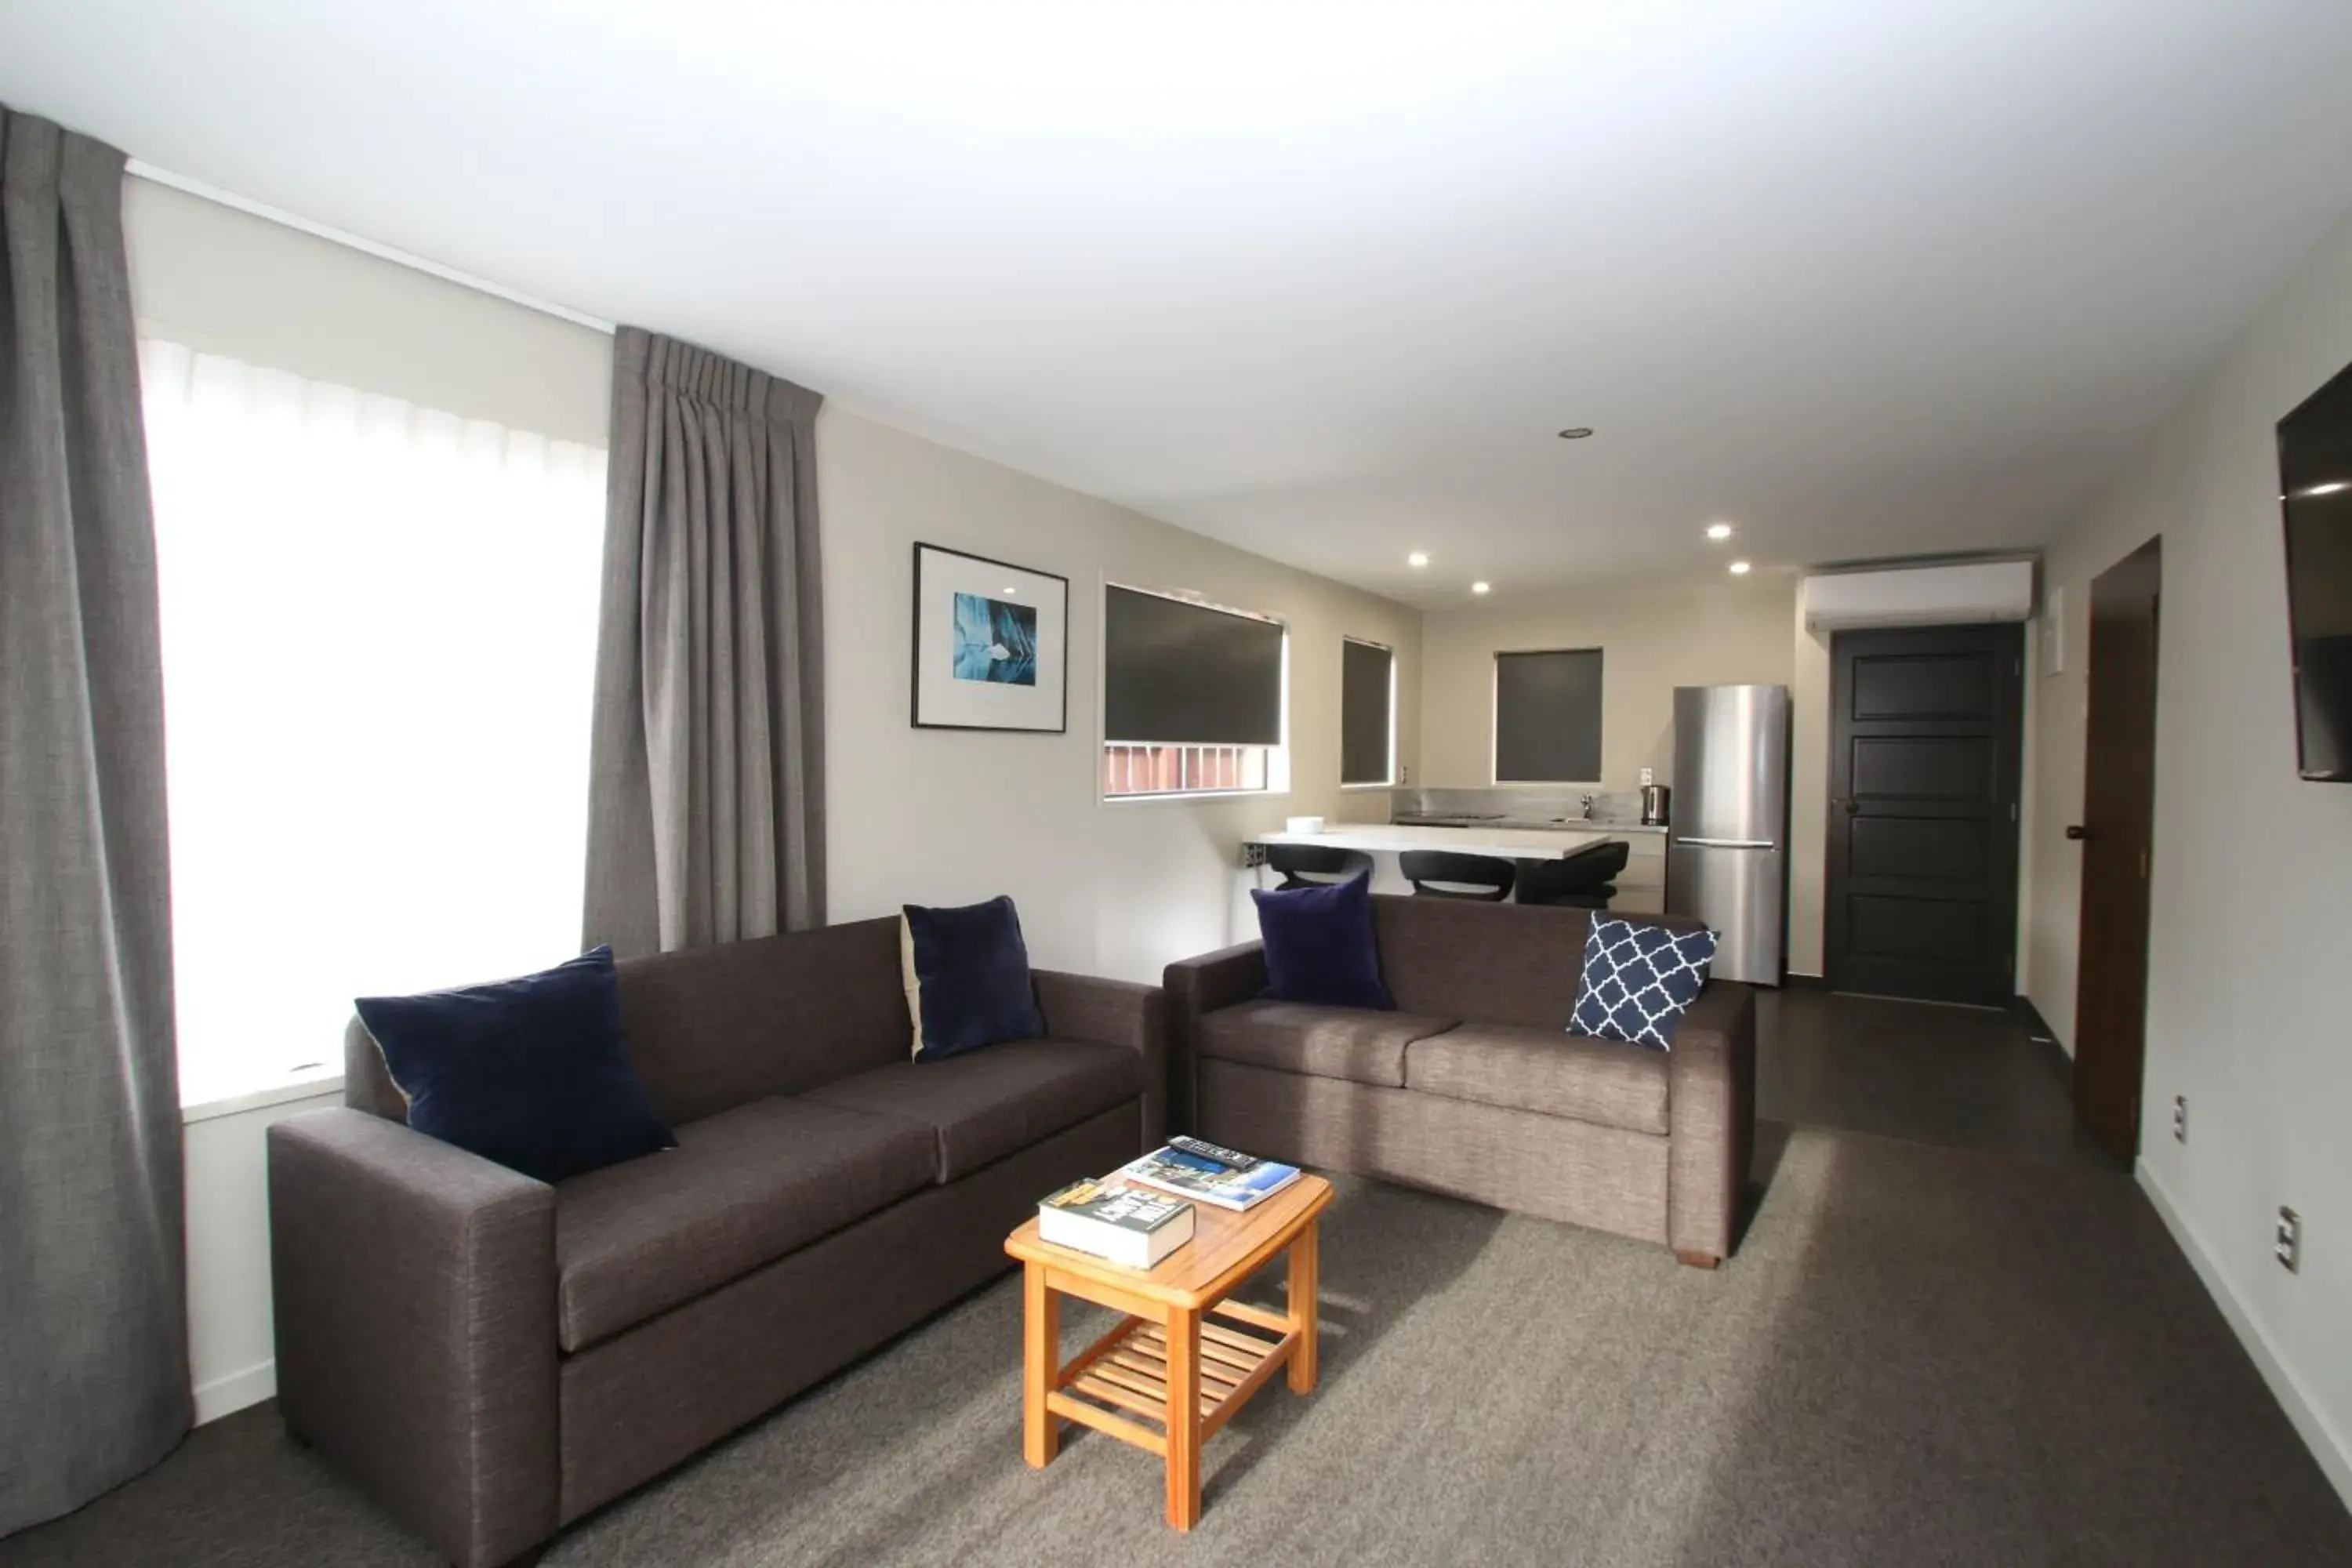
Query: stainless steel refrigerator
[1728, 845]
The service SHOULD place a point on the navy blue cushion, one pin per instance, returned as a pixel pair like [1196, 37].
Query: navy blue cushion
[1319, 946]
[970, 978]
[1638, 979]
[533, 1073]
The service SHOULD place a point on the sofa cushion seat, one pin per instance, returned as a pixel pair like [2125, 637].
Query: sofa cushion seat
[979, 1106]
[742, 1189]
[1351, 1042]
[1525, 1068]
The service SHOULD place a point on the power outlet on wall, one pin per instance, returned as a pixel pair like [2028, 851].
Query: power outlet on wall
[2287, 1246]
[2181, 1119]
[1648, 776]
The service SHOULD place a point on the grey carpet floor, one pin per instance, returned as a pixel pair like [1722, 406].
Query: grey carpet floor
[1919, 1355]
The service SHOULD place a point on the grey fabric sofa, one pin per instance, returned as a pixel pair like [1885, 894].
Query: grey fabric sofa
[491, 1357]
[1471, 1087]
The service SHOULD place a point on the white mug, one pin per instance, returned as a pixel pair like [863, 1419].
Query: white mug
[1305, 825]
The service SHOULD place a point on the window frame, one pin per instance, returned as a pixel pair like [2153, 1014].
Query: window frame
[1390, 781]
[1278, 756]
[1495, 718]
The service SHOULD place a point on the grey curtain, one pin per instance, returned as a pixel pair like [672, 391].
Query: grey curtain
[93, 1325]
[705, 818]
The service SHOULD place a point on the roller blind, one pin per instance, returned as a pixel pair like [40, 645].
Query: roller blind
[1181, 674]
[1548, 717]
[1365, 712]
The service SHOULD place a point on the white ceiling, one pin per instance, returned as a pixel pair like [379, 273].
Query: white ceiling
[1867, 277]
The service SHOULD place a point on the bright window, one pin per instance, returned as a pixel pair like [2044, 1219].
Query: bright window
[1183, 770]
[379, 652]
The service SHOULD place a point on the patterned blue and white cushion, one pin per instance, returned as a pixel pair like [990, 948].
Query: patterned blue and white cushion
[1638, 979]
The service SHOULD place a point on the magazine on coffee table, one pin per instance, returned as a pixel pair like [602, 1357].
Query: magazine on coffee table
[1211, 1174]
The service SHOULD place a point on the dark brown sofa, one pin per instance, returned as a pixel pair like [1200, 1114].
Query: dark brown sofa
[1471, 1087]
[491, 1357]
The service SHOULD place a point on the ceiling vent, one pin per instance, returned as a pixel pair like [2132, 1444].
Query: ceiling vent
[1919, 596]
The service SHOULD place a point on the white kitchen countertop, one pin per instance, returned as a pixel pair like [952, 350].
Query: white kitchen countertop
[1508, 843]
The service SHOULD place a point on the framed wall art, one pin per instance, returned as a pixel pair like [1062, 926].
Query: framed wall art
[992, 645]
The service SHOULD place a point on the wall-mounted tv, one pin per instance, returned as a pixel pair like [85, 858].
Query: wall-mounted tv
[2316, 486]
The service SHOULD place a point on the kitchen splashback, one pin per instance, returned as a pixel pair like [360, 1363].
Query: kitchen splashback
[1538, 806]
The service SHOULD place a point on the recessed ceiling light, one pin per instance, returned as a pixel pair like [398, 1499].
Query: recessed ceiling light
[2327, 489]
[1576, 433]
[1740, 568]
[1480, 587]
[1418, 558]
[1011, 589]
[1718, 531]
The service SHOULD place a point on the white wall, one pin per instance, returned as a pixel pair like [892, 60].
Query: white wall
[232, 1357]
[2249, 929]
[933, 816]
[1651, 641]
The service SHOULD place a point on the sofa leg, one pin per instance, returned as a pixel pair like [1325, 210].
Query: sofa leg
[296, 1438]
[1696, 1260]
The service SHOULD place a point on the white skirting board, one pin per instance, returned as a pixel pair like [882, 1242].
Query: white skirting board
[227, 1396]
[2327, 1445]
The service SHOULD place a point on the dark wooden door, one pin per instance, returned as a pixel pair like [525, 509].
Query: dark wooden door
[2116, 833]
[1924, 737]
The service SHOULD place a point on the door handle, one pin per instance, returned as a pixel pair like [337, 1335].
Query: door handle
[2077, 832]
[1728, 843]
[1848, 804]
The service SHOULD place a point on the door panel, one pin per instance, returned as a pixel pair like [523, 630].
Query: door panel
[1918, 930]
[1960, 768]
[2117, 831]
[1926, 686]
[1925, 739]
[1925, 848]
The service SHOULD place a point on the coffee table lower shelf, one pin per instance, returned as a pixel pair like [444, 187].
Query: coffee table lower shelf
[1124, 1375]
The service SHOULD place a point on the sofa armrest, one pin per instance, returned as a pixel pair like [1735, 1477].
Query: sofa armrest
[1197, 987]
[415, 1291]
[1114, 1013]
[1710, 1120]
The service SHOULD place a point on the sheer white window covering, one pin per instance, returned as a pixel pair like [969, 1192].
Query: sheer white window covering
[379, 650]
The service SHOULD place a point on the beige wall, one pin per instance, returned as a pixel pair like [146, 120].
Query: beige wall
[943, 817]
[919, 816]
[1653, 640]
[2246, 1013]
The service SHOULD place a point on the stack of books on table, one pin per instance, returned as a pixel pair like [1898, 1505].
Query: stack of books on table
[1134, 1226]
[1142, 1212]
[1225, 1177]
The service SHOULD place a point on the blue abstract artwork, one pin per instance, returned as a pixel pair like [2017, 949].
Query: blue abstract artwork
[995, 641]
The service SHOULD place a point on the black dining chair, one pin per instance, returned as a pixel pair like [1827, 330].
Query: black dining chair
[1443, 874]
[1586, 879]
[1313, 865]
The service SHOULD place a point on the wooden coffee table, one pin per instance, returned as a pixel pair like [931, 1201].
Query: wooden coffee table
[1183, 1358]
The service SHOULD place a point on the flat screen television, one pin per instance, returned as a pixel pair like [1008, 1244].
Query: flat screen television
[2315, 445]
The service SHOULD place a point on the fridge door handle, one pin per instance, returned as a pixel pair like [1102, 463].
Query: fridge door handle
[1728, 843]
